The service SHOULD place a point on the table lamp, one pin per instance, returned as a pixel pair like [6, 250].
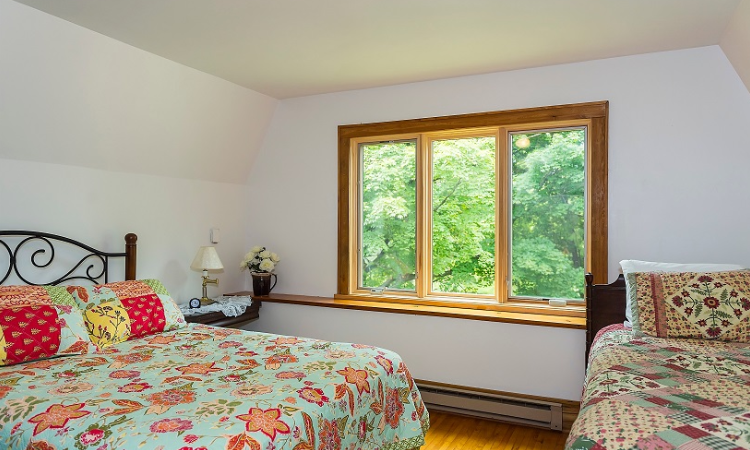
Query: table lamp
[207, 259]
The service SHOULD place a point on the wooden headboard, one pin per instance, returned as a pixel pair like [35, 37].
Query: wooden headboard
[29, 250]
[605, 305]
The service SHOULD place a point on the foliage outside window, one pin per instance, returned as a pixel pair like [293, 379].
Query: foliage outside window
[474, 210]
[548, 214]
[389, 215]
[463, 215]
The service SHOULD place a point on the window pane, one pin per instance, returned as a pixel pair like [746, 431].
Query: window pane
[463, 215]
[388, 237]
[547, 223]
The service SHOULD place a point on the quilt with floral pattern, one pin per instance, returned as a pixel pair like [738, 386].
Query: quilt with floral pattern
[203, 387]
[656, 393]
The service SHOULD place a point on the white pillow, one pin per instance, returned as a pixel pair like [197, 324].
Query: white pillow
[633, 265]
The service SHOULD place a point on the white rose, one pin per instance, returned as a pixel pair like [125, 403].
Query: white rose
[275, 258]
[243, 265]
[256, 249]
[265, 254]
[249, 256]
[266, 265]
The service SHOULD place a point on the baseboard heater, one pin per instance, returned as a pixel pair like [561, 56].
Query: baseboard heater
[491, 406]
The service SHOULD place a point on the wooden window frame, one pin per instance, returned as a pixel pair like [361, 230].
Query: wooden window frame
[595, 117]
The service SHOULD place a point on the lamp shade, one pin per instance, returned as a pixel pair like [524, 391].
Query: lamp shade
[206, 259]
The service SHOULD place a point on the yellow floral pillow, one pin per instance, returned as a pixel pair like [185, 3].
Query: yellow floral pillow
[107, 323]
[124, 310]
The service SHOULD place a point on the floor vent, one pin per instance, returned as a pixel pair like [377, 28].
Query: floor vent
[491, 406]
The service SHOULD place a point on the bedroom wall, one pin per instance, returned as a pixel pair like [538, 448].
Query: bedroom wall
[171, 216]
[73, 96]
[98, 138]
[677, 186]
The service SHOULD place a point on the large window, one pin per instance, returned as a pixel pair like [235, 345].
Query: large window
[484, 210]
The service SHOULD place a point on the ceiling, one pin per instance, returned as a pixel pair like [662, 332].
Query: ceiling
[287, 48]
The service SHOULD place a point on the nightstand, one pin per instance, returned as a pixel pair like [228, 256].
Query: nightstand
[218, 319]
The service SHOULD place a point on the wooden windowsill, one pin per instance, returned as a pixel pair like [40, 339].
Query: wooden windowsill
[572, 320]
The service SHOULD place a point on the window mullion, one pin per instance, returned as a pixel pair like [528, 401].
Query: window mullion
[356, 218]
[424, 218]
[502, 211]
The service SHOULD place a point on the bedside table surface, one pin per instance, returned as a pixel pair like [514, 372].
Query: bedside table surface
[218, 319]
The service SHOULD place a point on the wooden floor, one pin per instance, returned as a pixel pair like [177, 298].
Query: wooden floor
[450, 432]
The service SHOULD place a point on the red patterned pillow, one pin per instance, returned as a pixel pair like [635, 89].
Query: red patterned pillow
[714, 305]
[41, 331]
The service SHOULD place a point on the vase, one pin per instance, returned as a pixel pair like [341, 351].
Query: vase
[262, 283]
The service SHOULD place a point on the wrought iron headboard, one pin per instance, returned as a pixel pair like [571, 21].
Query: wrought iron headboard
[13, 241]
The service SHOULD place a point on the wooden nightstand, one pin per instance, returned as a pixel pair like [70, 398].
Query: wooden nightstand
[218, 319]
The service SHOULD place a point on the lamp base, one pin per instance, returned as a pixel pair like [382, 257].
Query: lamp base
[205, 300]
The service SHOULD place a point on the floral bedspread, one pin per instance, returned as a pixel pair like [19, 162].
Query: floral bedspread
[652, 393]
[203, 388]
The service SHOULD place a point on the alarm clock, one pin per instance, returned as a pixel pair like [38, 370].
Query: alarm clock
[195, 303]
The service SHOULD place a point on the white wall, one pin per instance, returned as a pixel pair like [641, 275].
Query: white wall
[508, 357]
[98, 138]
[73, 96]
[171, 217]
[677, 191]
[736, 41]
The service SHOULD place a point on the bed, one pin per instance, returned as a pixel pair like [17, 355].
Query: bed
[664, 383]
[164, 384]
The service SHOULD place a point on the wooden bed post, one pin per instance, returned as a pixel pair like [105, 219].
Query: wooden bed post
[605, 305]
[130, 255]
[589, 315]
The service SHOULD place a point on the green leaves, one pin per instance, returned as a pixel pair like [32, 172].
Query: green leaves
[548, 195]
[463, 215]
[389, 218]
[540, 269]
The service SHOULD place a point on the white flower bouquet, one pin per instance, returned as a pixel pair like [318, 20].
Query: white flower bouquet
[259, 259]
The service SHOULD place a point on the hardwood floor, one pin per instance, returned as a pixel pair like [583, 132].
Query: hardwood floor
[451, 432]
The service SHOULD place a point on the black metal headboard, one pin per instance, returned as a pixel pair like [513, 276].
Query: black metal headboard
[38, 244]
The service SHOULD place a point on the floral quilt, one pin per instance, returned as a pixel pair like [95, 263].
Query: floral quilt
[202, 387]
[656, 393]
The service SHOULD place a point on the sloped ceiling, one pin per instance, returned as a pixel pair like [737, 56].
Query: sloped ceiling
[292, 48]
[71, 96]
[736, 42]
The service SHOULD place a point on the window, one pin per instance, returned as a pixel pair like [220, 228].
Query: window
[387, 228]
[483, 210]
[461, 214]
[547, 221]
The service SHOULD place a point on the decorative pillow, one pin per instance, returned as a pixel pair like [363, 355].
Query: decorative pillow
[704, 305]
[124, 310]
[107, 323]
[16, 296]
[156, 286]
[41, 331]
[634, 265]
